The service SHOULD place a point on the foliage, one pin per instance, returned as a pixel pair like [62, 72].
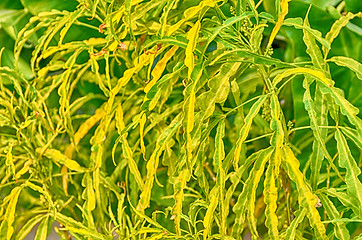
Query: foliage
[169, 119]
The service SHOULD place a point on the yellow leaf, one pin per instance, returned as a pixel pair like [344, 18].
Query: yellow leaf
[24, 170]
[284, 12]
[6, 227]
[113, 45]
[192, 36]
[302, 70]
[188, 14]
[142, 126]
[59, 157]
[244, 131]
[209, 216]
[306, 197]
[160, 67]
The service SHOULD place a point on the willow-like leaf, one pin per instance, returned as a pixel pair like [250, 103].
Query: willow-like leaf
[340, 230]
[344, 198]
[6, 227]
[188, 14]
[179, 186]
[292, 229]
[152, 163]
[319, 136]
[352, 64]
[312, 47]
[346, 107]
[284, 11]
[42, 232]
[127, 151]
[352, 135]
[302, 70]
[244, 131]
[219, 156]
[28, 226]
[192, 36]
[346, 160]
[247, 197]
[219, 89]
[209, 216]
[336, 28]
[306, 198]
[270, 199]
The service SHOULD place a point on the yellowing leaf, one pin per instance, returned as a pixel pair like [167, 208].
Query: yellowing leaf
[6, 227]
[142, 126]
[28, 226]
[42, 232]
[24, 169]
[157, 73]
[152, 163]
[192, 36]
[209, 216]
[179, 186]
[352, 64]
[284, 11]
[270, 199]
[346, 160]
[302, 70]
[292, 229]
[113, 45]
[244, 131]
[160, 67]
[246, 200]
[312, 47]
[88, 193]
[127, 151]
[188, 14]
[59, 157]
[219, 89]
[337, 26]
[306, 198]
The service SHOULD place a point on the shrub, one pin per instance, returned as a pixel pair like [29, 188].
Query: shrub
[185, 119]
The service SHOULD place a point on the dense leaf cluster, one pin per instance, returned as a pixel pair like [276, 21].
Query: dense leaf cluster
[180, 119]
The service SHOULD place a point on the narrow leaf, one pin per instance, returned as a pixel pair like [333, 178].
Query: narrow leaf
[244, 131]
[284, 11]
[340, 230]
[192, 36]
[306, 198]
[352, 64]
[345, 160]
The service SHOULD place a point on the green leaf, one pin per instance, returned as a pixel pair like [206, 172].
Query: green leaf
[192, 36]
[246, 200]
[6, 227]
[340, 230]
[312, 47]
[36, 7]
[298, 24]
[346, 107]
[345, 160]
[244, 131]
[42, 232]
[219, 89]
[28, 226]
[270, 199]
[352, 64]
[292, 229]
[306, 198]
